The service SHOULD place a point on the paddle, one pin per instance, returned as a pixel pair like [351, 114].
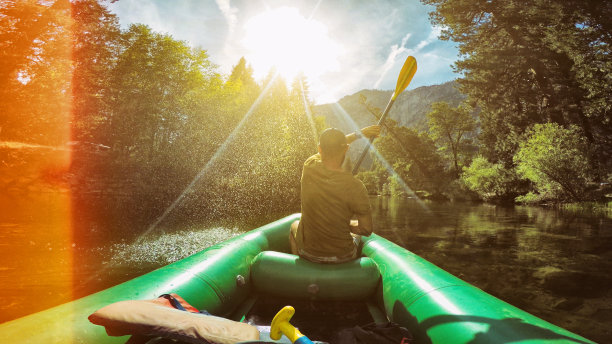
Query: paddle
[405, 76]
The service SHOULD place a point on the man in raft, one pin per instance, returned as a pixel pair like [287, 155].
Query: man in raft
[331, 197]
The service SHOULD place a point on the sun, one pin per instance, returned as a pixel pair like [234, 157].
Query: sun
[284, 39]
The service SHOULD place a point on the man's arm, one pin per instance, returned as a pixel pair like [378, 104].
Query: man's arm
[362, 226]
[369, 132]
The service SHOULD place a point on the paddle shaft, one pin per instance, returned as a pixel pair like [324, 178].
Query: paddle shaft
[380, 122]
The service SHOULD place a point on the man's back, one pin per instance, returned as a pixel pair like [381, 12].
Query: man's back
[329, 199]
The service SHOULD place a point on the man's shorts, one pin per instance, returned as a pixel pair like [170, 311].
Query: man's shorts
[332, 259]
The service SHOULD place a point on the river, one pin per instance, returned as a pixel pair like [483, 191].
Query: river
[552, 263]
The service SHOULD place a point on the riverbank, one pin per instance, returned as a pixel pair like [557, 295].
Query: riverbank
[595, 208]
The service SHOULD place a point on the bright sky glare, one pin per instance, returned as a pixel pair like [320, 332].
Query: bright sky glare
[342, 46]
[284, 39]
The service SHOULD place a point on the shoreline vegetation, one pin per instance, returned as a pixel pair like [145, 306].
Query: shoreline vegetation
[534, 127]
[140, 122]
[136, 112]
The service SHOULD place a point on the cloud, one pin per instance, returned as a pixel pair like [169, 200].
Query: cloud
[392, 58]
[230, 14]
[433, 37]
[434, 57]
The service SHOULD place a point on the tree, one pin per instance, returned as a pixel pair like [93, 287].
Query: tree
[492, 181]
[449, 126]
[154, 77]
[35, 71]
[56, 57]
[242, 74]
[554, 159]
[95, 33]
[533, 61]
[414, 158]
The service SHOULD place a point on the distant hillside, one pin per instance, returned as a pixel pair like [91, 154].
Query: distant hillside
[410, 109]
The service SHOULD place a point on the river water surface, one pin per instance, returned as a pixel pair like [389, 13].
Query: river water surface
[554, 264]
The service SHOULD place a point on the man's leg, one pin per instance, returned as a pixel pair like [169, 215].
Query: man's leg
[292, 234]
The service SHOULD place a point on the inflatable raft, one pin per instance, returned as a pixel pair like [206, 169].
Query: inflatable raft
[229, 279]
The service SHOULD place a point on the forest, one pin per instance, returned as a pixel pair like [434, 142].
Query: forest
[535, 126]
[153, 124]
[148, 119]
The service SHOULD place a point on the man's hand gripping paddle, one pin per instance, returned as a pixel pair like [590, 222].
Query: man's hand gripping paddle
[405, 76]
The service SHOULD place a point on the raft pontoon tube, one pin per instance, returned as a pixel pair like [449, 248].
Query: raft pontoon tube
[223, 279]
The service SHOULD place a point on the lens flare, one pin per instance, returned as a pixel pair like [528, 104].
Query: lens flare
[309, 114]
[36, 206]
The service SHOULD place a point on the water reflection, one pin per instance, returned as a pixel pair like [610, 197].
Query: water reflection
[552, 263]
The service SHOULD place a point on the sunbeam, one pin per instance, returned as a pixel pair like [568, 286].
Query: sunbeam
[309, 114]
[338, 109]
[211, 161]
[203, 171]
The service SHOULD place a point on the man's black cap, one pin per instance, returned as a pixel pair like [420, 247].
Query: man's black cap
[332, 141]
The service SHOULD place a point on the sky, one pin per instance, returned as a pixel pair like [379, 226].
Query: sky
[341, 46]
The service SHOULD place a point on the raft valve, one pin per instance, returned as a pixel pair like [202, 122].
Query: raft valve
[281, 325]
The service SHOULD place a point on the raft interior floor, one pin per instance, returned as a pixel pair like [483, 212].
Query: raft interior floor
[326, 321]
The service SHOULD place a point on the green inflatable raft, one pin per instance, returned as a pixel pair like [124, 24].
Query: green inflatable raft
[229, 278]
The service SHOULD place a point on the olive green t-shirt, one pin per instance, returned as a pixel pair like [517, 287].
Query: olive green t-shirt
[329, 200]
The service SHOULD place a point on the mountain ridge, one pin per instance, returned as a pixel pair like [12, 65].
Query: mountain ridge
[410, 109]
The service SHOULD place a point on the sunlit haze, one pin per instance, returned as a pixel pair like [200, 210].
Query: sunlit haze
[341, 47]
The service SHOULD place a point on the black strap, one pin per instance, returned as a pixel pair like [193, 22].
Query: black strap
[173, 301]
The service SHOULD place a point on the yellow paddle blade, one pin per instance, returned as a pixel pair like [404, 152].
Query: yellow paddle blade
[408, 70]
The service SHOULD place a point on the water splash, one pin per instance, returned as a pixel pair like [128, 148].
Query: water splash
[211, 161]
[169, 247]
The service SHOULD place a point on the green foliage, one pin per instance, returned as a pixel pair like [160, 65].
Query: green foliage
[554, 159]
[162, 71]
[372, 182]
[35, 71]
[242, 74]
[532, 198]
[396, 187]
[414, 158]
[170, 119]
[533, 61]
[492, 182]
[449, 126]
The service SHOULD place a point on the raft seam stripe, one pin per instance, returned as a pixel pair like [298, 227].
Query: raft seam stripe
[211, 284]
[436, 289]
